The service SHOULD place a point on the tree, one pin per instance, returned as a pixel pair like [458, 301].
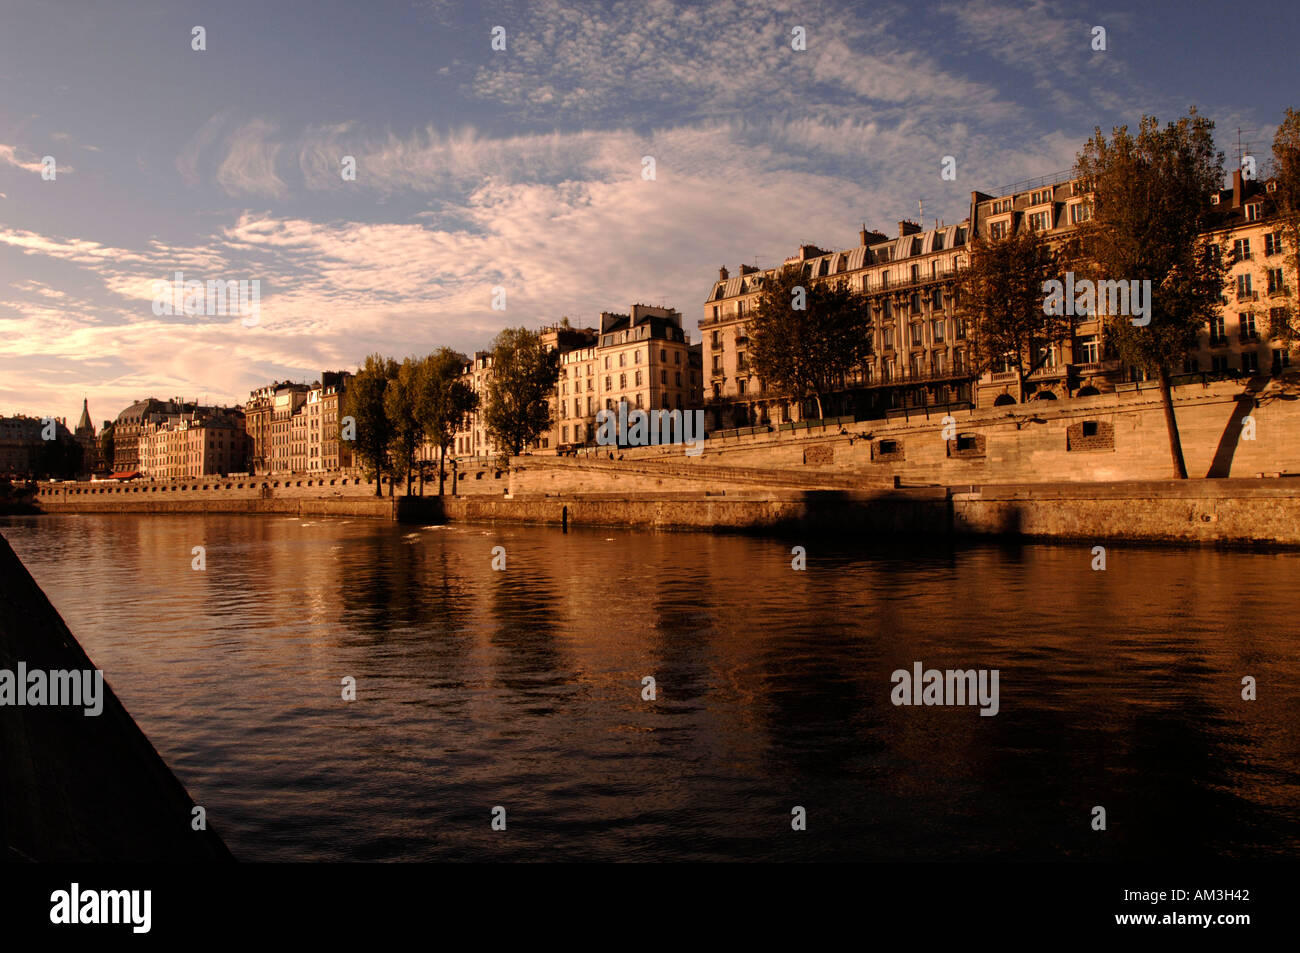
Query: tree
[404, 424]
[520, 383]
[1150, 202]
[364, 403]
[1286, 170]
[1001, 299]
[442, 402]
[806, 336]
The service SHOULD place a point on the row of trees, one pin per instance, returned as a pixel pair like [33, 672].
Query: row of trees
[1150, 196]
[398, 408]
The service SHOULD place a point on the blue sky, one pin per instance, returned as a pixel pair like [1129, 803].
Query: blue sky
[520, 168]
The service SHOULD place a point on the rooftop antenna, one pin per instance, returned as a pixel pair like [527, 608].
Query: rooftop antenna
[920, 209]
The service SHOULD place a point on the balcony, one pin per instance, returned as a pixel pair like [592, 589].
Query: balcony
[1247, 295]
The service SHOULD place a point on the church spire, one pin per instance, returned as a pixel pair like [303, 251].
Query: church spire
[84, 423]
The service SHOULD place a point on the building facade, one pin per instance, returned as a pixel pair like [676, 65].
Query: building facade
[643, 358]
[919, 349]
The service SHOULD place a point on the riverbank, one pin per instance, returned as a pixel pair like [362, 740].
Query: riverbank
[78, 787]
[1230, 512]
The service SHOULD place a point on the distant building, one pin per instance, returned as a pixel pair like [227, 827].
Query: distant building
[920, 353]
[643, 358]
[294, 427]
[187, 445]
[85, 436]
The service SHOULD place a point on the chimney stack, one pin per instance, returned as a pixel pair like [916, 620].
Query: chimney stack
[1237, 188]
[722, 273]
[863, 234]
[907, 228]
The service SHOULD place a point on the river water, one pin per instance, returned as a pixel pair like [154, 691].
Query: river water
[522, 689]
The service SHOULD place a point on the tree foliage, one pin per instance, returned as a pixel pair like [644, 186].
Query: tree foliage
[364, 402]
[1150, 203]
[1286, 171]
[443, 400]
[1000, 298]
[401, 398]
[520, 382]
[807, 351]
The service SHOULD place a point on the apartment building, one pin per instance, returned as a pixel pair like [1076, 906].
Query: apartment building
[190, 445]
[643, 358]
[1261, 290]
[919, 349]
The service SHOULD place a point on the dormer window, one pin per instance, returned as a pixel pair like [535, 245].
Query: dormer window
[1252, 212]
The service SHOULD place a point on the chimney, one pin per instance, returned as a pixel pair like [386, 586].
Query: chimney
[907, 228]
[863, 234]
[1237, 188]
[722, 273]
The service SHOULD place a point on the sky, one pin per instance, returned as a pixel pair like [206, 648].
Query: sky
[521, 168]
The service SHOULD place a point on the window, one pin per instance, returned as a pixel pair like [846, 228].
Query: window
[1275, 281]
[916, 273]
[638, 378]
[608, 386]
[1250, 361]
[622, 359]
[663, 356]
[577, 406]
[959, 361]
[1219, 363]
[638, 400]
[1241, 250]
[959, 329]
[740, 385]
[886, 310]
[606, 362]
[998, 230]
[936, 331]
[663, 377]
[622, 382]
[1243, 287]
[717, 344]
[1190, 364]
[1273, 243]
[636, 358]
[1246, 325]
[1216, 254]
[1080, 213]
[1279, 316]
[1252, 212]
[1089, 350]
[1090, 428]
[1281, 359]
[914, 303]
[936, 362]
[1040, 221]
[936, 299]
[918, 337]
[564, 433]
[884, 278]
[740, 308]
[740, 360]
[1041, 197]
[678, 375]
[715, 312]
[677, 357]
[717, 363]
[1218, 336]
